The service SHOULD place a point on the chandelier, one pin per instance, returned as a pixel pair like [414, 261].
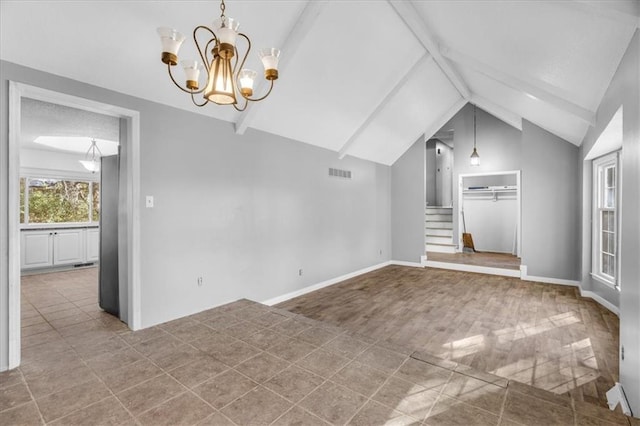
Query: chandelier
[225, 82]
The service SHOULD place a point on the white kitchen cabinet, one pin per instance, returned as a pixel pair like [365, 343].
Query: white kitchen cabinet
[93, 244]
[36, 249]
[58, 247]
[68, 246]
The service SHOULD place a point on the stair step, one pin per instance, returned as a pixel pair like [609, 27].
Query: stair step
[439, 225]
[439, 239]
[441, 248]
[438, 217]
[439, 210]
[438, 232]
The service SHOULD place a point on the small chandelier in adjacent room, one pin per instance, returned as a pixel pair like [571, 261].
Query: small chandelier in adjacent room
[91, 160]
[225, 83]
[475, 158]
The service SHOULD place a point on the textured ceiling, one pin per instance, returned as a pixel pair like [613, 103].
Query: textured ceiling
[40, 118]
[364, 78]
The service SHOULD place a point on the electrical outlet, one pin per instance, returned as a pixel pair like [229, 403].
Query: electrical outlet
[149, 201]
[199, 281]
[300, 272]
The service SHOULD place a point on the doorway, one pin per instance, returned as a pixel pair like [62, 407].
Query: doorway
[439, 169]
[129, 240]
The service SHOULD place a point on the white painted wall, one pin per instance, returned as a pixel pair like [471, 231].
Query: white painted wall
[492, 223]
[430, 174]
[624, 91]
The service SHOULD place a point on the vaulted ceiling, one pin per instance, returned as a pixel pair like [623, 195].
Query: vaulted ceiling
[364, 78]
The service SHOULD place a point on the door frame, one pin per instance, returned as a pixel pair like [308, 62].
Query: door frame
[517, 173]
[132, 146]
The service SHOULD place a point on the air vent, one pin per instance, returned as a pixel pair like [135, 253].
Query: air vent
[346, 174]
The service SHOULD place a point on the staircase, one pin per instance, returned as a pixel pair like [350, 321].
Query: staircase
[439, 229]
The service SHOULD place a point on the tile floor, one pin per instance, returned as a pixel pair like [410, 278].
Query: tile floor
[245, 363]
[543, 335]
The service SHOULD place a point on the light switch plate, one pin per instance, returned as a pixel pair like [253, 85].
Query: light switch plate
[149, 201]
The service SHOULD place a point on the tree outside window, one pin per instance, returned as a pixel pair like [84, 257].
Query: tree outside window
[46, 200]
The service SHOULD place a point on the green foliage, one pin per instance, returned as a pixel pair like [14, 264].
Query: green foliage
[58, 201]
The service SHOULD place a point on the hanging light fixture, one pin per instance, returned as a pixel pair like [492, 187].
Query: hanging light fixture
[91, 160]
[475, 158]
[225, 82]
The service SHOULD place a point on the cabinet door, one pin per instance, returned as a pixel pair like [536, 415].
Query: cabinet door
[93, 244]
[68, 246]
[36, 249]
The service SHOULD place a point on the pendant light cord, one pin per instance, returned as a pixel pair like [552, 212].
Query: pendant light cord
[474, 127]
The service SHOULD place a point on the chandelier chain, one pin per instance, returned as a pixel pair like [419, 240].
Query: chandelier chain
[222, 8]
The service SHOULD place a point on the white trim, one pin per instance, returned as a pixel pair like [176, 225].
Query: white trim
[327, 283]
[560, 281]
[16, 92]
[403, 263]
[472, 268]
[604, 302]
[616, 395]
[583, 293]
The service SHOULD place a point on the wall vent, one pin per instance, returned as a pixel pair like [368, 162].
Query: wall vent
[346, 174]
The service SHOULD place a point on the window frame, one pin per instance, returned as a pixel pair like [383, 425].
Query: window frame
[600, 166]
[45, 174]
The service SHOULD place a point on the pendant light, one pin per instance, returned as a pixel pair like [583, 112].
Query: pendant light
[91, 160]
[475, 158]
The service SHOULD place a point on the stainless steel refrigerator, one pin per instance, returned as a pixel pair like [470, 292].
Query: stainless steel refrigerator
[109, 291]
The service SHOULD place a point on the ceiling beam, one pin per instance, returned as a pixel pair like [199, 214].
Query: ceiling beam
[509, 117]
[434, 127]
[349, 143]
[293, 40]
[418, 27]
[528, 86]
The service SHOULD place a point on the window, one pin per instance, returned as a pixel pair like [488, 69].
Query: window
[605, 219]
[58, 200]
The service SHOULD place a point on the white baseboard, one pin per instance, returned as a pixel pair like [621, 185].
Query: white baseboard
[604, 302]
[616, 396]
[403, 263]
[327, 283]
[526, 277]
[472, 268]
[583, 293]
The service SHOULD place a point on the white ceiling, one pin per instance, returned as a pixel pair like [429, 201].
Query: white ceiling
[364, 78]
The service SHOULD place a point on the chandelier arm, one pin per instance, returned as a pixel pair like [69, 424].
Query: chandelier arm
[246, 102]
[263, 97]
[204, 56]
[193, 99]
[174, 80]
[246, 55]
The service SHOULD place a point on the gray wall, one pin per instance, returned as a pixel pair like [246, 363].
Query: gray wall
[408, 204]
[498, 144]
[245, 212]
[550, 204]
[624, 90]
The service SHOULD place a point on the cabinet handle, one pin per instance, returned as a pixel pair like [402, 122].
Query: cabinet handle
[50, 233]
